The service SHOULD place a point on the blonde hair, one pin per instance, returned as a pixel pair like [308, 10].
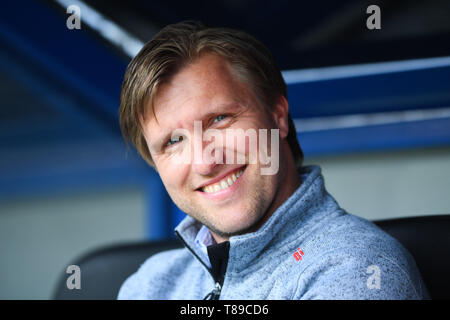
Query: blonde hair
[177, 45]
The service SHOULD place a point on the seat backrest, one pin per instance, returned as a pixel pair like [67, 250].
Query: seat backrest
[103, 271]
[427, 238]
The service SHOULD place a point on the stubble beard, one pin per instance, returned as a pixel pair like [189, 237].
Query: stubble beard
[257, 206]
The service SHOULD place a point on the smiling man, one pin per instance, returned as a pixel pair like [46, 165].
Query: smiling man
[228, 198]
[207, 109]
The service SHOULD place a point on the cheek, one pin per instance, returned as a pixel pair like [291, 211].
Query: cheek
[172, 175]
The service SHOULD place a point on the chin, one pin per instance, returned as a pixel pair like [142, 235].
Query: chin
[236, 226]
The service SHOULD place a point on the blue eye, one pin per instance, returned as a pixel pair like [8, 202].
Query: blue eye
[174, 140]
[219, 118]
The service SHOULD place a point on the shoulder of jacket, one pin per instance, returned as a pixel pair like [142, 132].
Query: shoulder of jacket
[165, 261]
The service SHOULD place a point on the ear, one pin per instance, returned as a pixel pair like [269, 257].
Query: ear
[280, 116]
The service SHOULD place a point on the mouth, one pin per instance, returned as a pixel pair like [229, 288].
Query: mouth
[223, 184]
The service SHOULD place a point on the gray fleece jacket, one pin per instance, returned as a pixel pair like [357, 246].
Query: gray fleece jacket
[309, 248]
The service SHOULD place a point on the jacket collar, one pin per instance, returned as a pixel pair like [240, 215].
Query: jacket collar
[285, 221]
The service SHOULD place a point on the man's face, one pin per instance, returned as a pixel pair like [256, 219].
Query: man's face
[208, 91]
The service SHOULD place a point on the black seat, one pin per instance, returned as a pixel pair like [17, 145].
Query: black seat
[104, 270]
[426, 238]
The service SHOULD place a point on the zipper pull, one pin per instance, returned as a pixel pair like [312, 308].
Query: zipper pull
[215, 293]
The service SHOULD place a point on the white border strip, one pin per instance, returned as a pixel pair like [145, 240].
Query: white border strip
[363, 120]
[108, 29]
[359, 70]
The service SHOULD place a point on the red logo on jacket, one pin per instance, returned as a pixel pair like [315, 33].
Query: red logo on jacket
[298, 254]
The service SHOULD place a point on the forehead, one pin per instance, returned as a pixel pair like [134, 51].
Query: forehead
[202, 85]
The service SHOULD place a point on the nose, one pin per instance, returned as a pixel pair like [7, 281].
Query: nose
[204, 169]
[207, 157]
[205, 162]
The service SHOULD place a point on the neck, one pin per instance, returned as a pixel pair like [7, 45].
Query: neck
[289, 181]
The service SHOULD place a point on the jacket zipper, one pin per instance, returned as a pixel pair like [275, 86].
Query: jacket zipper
[215, 293]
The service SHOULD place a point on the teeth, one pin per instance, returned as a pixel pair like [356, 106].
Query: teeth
[223, 184]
